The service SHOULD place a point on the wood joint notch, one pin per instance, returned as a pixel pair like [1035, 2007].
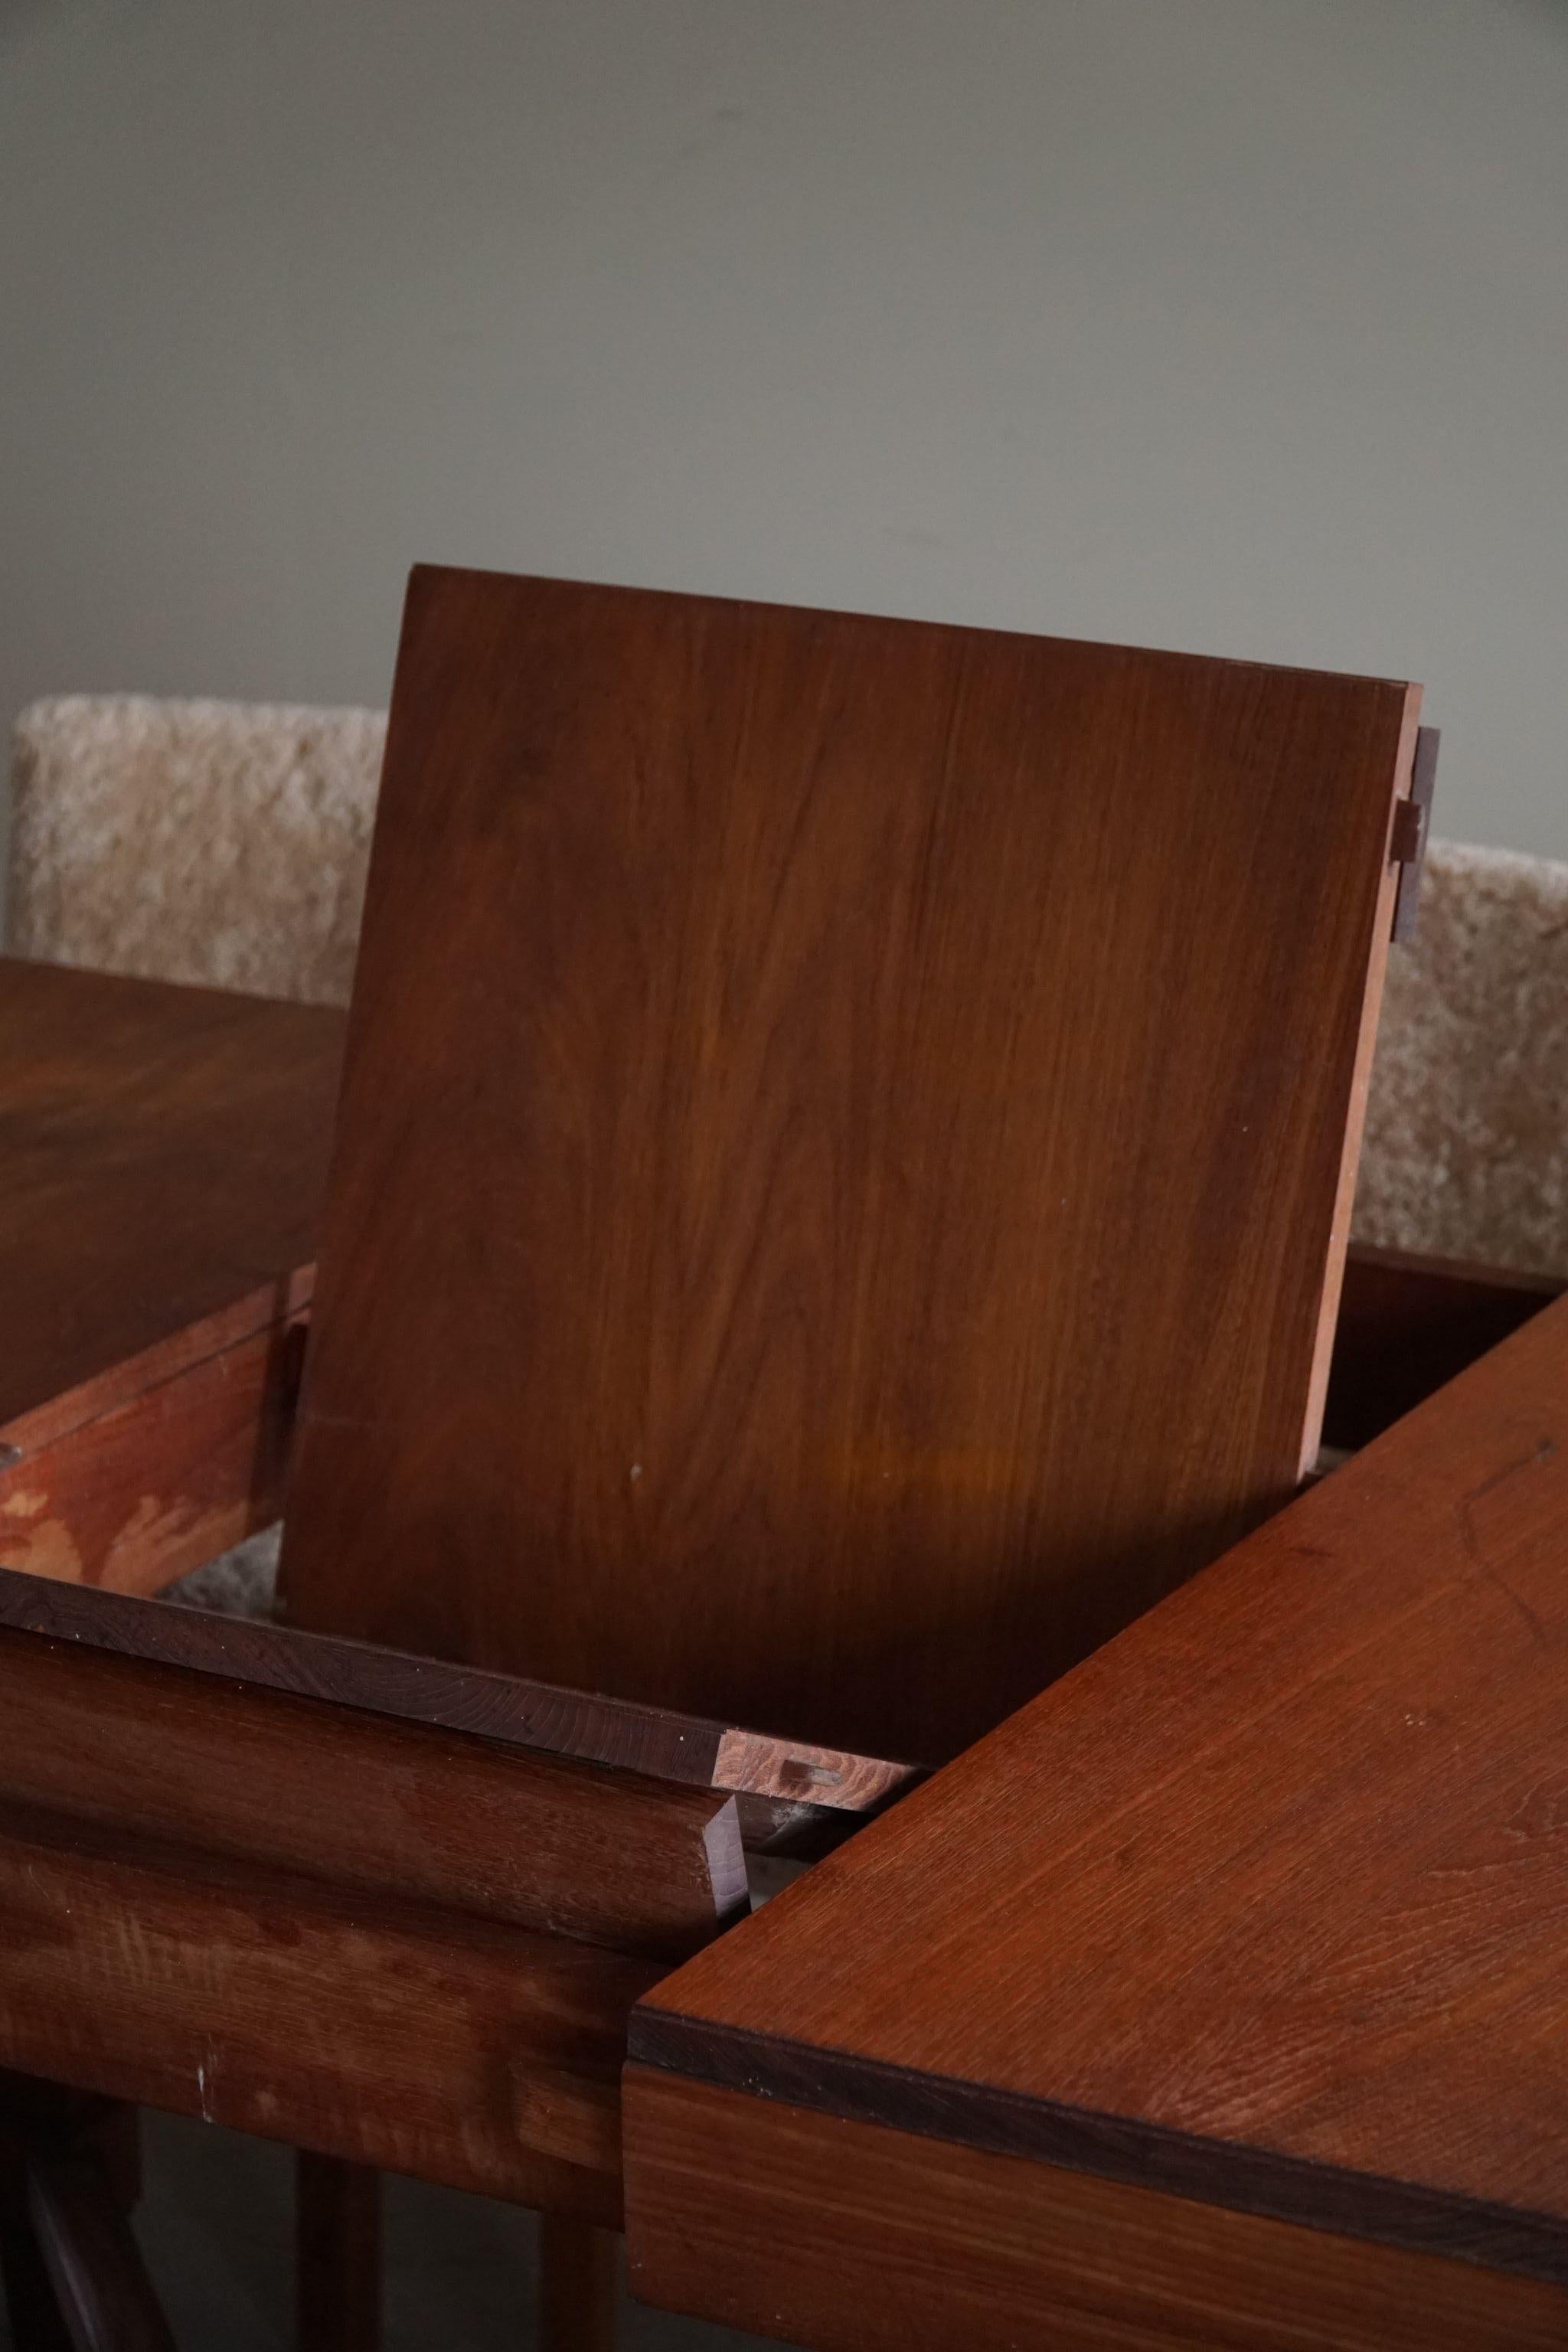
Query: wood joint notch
[1412, 824]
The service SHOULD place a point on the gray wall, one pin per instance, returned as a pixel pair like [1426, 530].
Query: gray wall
[1236, 325]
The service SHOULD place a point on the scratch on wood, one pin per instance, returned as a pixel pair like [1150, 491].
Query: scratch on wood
[1544, 1451]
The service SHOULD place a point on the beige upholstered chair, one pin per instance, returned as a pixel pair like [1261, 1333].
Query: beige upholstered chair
[1467, 1137]
[213, 842]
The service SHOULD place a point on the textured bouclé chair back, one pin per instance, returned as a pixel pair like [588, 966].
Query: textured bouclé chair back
[1467, 1137]
[217, 843]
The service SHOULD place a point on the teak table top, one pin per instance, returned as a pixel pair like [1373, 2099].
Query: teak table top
[163, 1154]
[1262, 1907]
[846, 1146]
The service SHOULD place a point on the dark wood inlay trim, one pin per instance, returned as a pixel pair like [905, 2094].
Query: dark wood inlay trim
[1412, 2214]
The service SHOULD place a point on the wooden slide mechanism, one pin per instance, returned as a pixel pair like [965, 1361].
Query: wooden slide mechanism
[393, 1912]
[418, 1902]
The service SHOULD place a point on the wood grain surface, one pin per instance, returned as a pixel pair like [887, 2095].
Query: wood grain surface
[163, 1156]
[132, 1479]
[399, 2034]
[1263, 1905]
[852, 2237]
[846, 1147]
[351, 1798]
[778, 1784]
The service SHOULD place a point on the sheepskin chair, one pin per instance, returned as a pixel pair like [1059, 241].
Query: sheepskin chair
[1466, 1153]
[223, 843]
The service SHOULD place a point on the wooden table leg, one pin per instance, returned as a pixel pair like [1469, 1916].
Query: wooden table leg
[30, 2306]
[73, 2275]
[337, 2222]
[579, 2285]
[101, 2284]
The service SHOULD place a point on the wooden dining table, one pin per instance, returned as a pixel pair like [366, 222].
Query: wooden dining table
[164, 1158]
[162, 1162]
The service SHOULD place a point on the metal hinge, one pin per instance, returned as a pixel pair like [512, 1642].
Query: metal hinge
[1412, 824]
